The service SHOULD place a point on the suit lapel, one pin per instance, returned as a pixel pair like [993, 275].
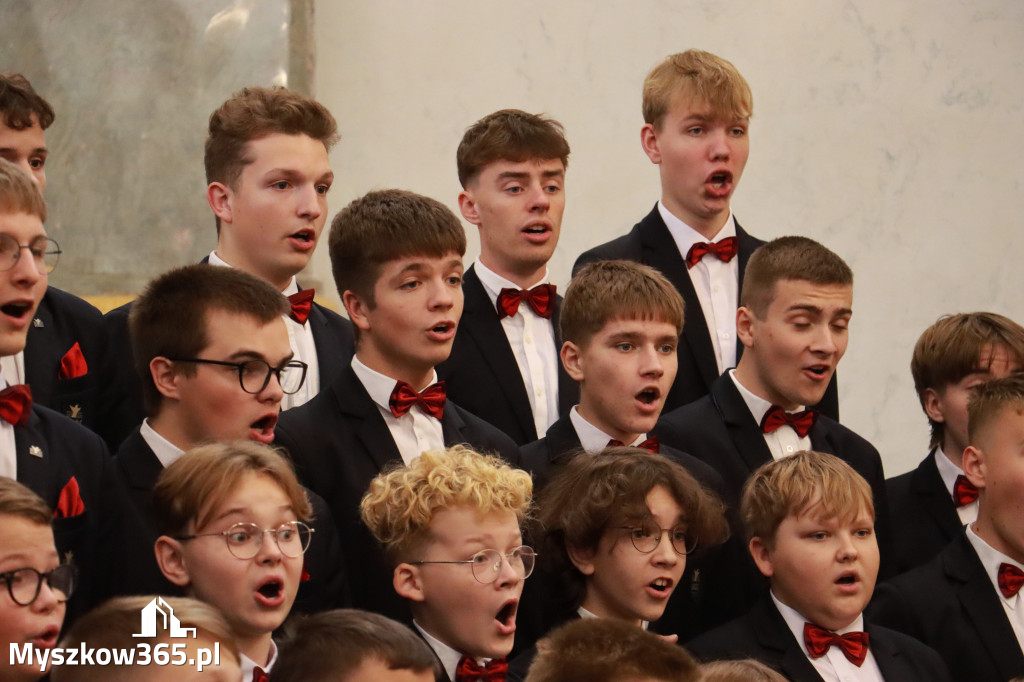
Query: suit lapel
[328, 357]
[562, 439]
[891, 662]
[33, 461]
[480, 322]
[931, 493]
[743, 430]
[368, 426]
[748, 245]
[139, 463]
[774, 635]
[660, 252]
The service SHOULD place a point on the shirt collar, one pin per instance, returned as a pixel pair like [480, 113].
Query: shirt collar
[757, 405]
[795, 622]
[248, 665]
[584, 614]
[293, 285]
[494, 283]
[448, 656]
[378, 385]
[685, 236]
[947, 470]
[991, 558]
[165, 451]
[592, 438]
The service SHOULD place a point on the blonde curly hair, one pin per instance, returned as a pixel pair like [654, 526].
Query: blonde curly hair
[401, 502]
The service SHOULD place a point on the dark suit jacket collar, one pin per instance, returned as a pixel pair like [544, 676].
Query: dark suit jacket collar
[35, 471]
[138, 462]
[561, 439]
[743, 429]
[773, 634]
[931, 494]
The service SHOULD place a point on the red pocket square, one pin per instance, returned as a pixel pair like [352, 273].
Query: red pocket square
[70, 501]
[73, 364]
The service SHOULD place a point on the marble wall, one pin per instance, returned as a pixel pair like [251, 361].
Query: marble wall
[890, 130]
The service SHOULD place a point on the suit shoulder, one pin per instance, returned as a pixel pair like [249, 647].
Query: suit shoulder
[692, 418]
[625, 247]
[54, 423]
[924, 657]
[848, 438]
[119, 315]
[64, 303]
[484, 436]
[730, 641]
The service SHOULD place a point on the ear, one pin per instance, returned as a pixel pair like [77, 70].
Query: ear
[582, 559]
[932, 406]
[165, 376]
[974, 466]
[649, 141]
[745, 326]
[357, 310]
[171, 560]
[219, 197]
[762, 555]
[572, 360]
[467, 204]
[408, 582]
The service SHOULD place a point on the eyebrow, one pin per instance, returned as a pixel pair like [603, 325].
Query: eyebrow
[816, 310]
[37, 150]
[244, 354]
[237, 511]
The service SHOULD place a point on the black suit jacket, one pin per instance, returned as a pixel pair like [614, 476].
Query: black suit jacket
[62, 320]
[482, 375]
[139, 469]
[951, 605]
[924, 517]
[339, 442]
[763, 635]
[332, 336]
[651, 243]
[720, 430]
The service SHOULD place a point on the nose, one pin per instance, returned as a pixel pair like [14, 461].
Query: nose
[47, 600]
[652, 363]
[539, 199]
[664, 554]
[847, 550]
[269, 550]
[718, 143]
[25, 270]
[272, 392]
[443, 295]
[508, 576]
[311, 203]
[825, 340]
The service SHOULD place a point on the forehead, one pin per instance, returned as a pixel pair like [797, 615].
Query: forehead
[648, 327]
[502, 167]
[287, 152]
[252, 494]
[22, 226]
[420, 263]
[230, 333]
[791, 294]
[33, 135]
[685, 103]
[462, 524]
[19, 535]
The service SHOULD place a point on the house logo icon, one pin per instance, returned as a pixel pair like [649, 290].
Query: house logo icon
[159, 608]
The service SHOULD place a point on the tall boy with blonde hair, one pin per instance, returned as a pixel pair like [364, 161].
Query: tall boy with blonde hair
[450, 524]
[810, 520]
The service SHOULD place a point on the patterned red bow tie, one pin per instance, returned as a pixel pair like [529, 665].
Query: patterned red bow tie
[258, 675]
[541, 300]
[1010, 579]
[853, 644]
[469, 671]
[800, 421]
[431, 399]
[724, 249]
[964, 492]
[16, 404]
[650, 445]
[302, 303]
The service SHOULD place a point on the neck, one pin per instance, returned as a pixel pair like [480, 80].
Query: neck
[707, 226]
[526, 275]
[237, 258]
[416, 376]
[257, 648]
[624, 437]
[953, 452]
[750, 378]
[597, 608]
[987, 528]
[168, 425]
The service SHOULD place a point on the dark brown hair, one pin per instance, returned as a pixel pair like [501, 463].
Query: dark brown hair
[509, 135]
[989, 401]
[795, 258]
[19, 102]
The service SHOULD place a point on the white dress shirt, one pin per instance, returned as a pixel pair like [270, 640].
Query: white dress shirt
[716, 284]
[949, 471]
[448, 656]
[8, 446]
[784, 440]
[990, 559]
[248, 665]
[593, 439]
[165, 451]
[415, 431]
[532, 339]
[300, 338]
[833, 666]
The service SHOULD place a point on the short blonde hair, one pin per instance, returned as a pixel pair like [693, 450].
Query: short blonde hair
[401, 503]
[18, 193]
[794, 485]
[701, 76]
[743, 670]
[190, 489]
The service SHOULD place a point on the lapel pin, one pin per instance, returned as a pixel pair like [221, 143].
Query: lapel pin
[35, 451]
[75, 412]
[37, 322]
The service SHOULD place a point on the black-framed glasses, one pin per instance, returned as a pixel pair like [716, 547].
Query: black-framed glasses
[647, 536]
[45, 252]
[254, 375]
[245, 539]
[486, 563]
[24, 584]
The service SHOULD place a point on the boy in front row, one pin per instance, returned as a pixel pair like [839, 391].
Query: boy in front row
[450, 523]
[233, 519]
[397, 262]
[931, 504]
[966, 602]
[811, 523]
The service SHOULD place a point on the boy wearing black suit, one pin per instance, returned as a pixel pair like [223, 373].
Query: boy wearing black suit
[966, 602]
[504, 362]
[397, 262]
[931, 504]
[213, 351]
[268, 177]
[64, 352]
[811, 526]
[796, 305]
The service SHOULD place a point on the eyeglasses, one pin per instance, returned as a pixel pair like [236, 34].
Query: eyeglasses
[45, 252]
[245, 539]
[24, 584]
[647, 536]
[486, 563]
[254, 375]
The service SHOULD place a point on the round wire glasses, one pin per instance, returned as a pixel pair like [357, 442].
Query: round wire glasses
[245, 539]
[486, 563]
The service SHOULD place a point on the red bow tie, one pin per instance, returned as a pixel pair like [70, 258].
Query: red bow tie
[258, 675]
[964, 492]
[724, 249]
[650, 445]
[541, 300]
[800, 421]
[302, 303]
[1010, 579]
[16, 404]
[853, 644]
[468, 670]
[431, 399]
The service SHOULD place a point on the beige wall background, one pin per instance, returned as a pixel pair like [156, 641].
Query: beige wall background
[889, 130]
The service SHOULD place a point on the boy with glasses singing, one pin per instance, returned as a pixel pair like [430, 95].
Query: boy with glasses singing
[233, 522]
[449, 522]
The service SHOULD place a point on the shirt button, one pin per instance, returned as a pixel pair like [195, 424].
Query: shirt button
[540, 393]
[715, 289]
[528, 339]
[726, 335]
[789, 448]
